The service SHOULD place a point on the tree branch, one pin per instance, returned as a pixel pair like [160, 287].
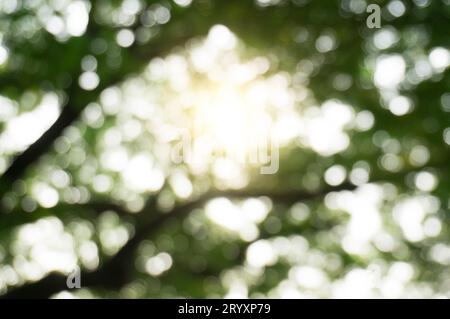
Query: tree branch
[115, 272]
[35, 150]
[19, 217]
[79, 99]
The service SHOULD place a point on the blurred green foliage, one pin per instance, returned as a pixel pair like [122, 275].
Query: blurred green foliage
[326, 51]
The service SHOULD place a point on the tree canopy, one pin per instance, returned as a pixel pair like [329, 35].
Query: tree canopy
[134, 136]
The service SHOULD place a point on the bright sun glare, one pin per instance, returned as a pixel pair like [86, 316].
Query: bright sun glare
[226, 112]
